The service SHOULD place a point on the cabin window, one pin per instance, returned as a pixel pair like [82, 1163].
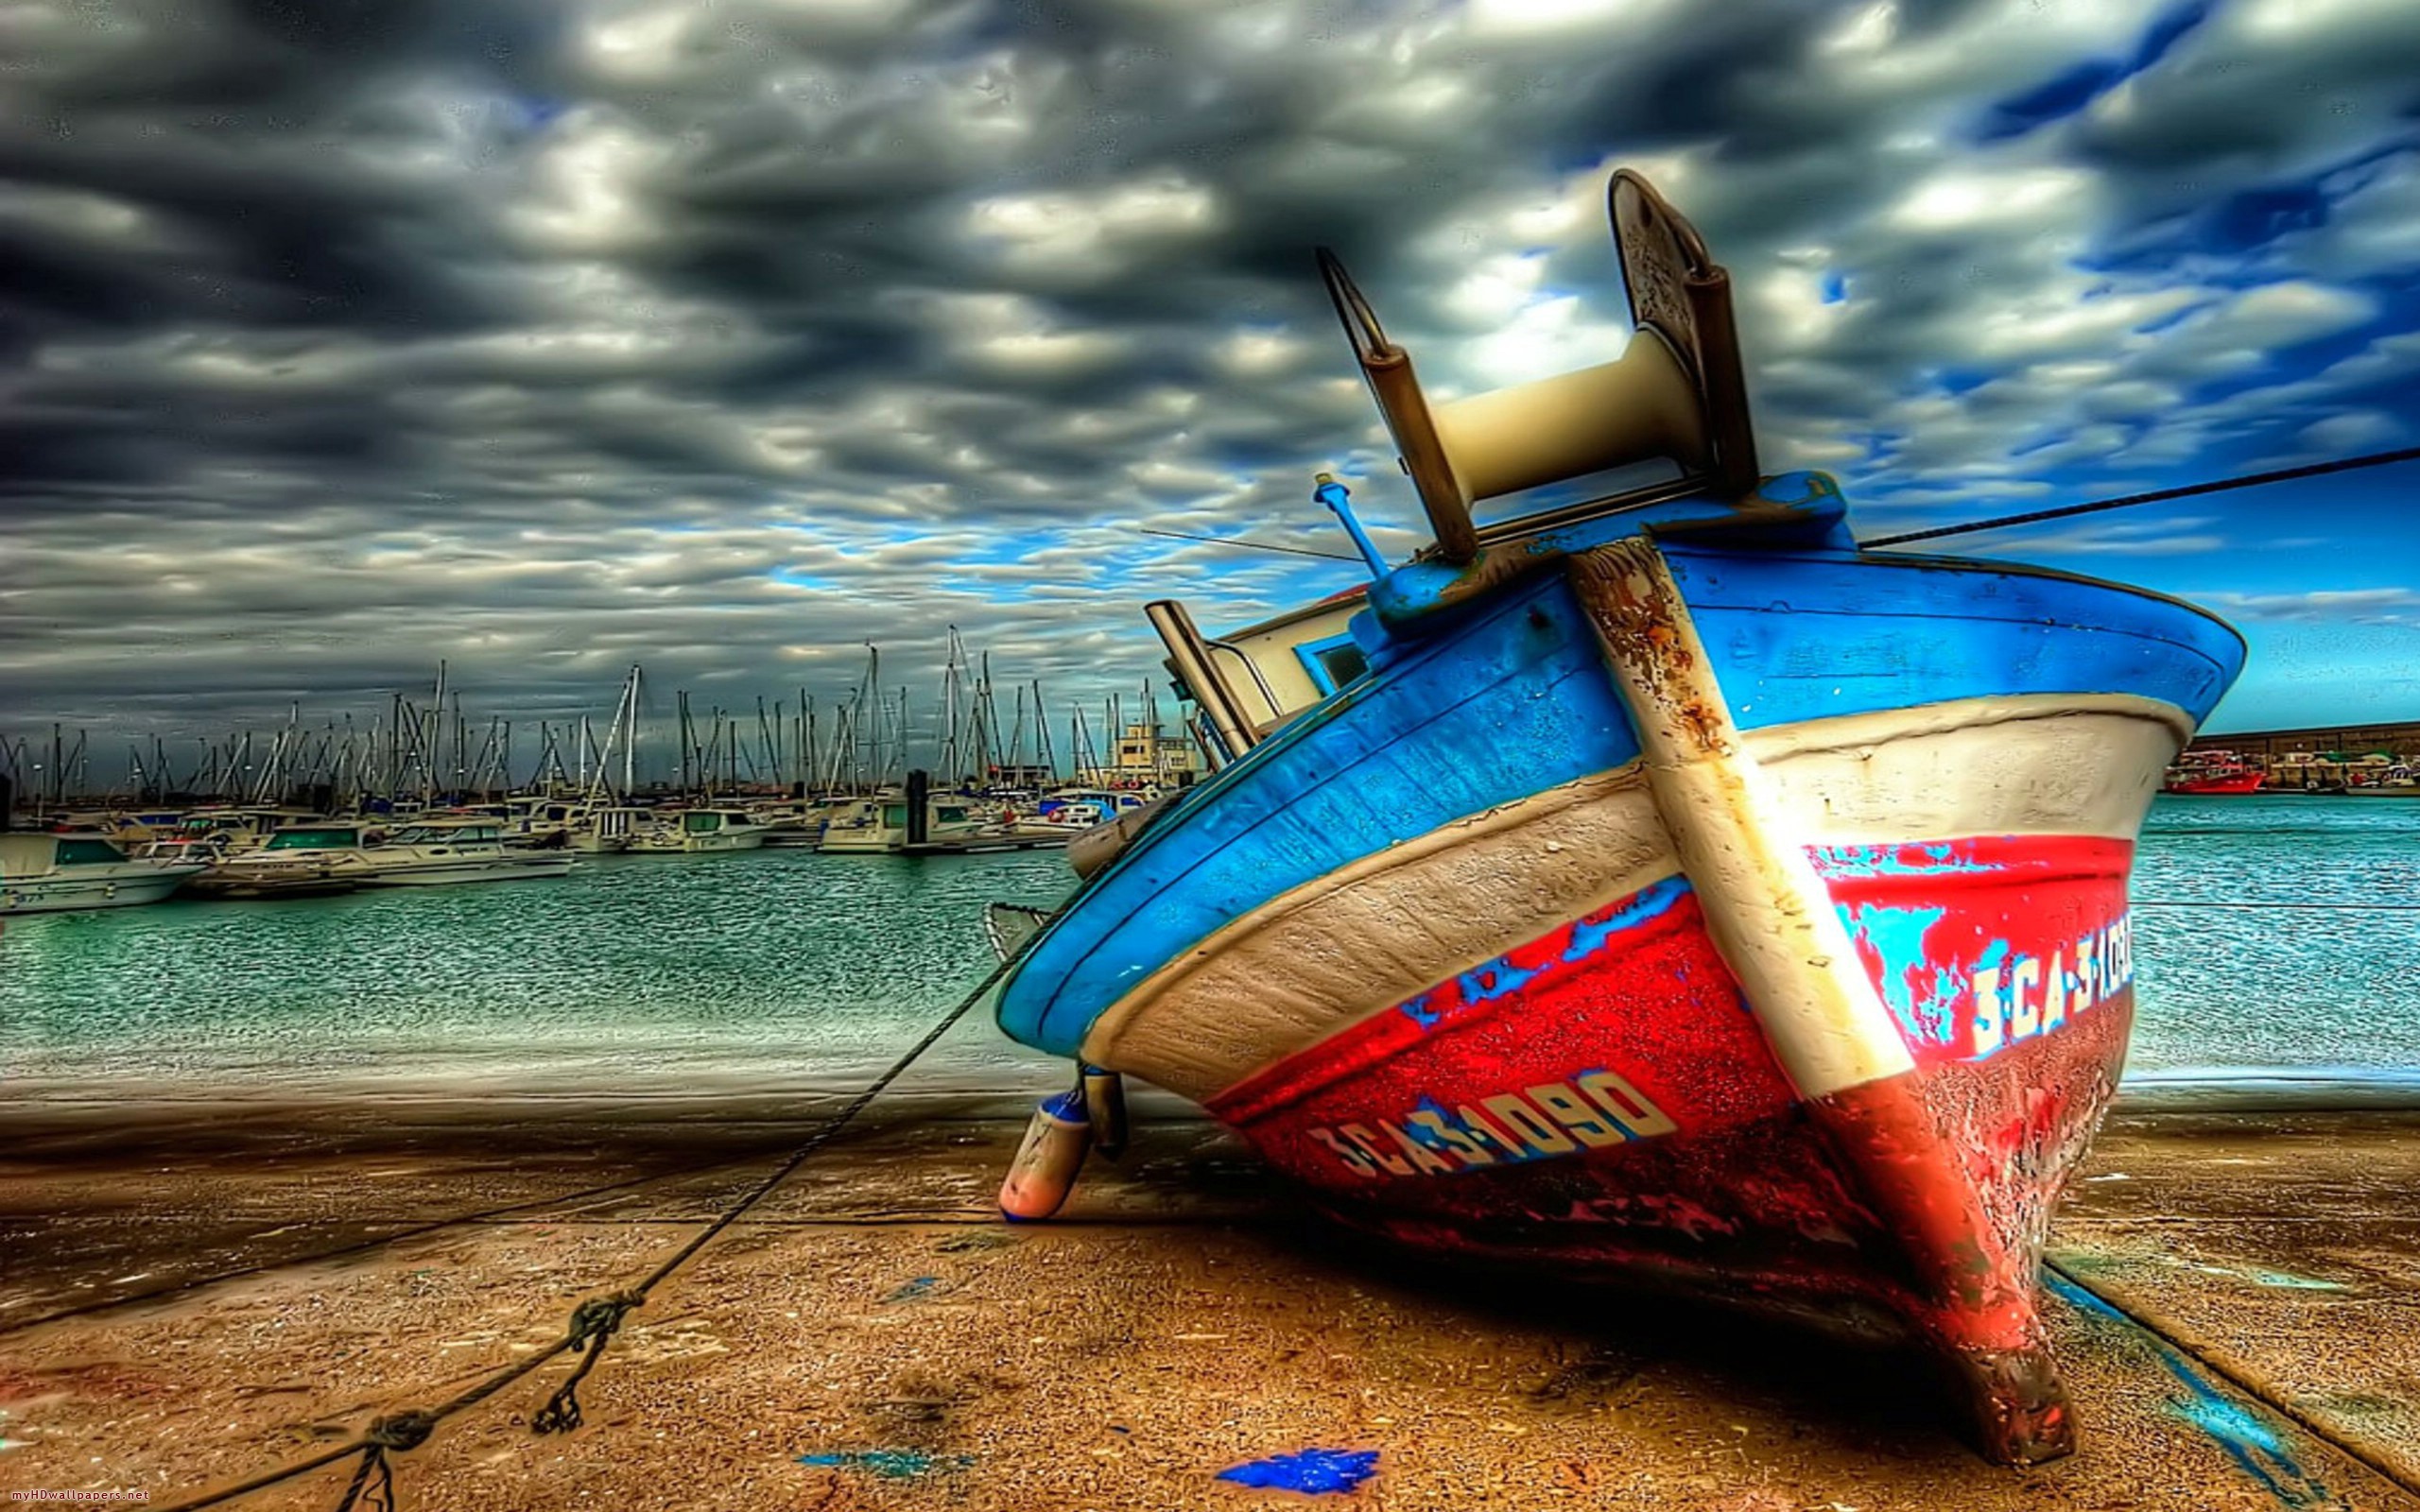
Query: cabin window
[894, 815]
[310, 840]
[953, 815]
[1332, 663]
[88, 854]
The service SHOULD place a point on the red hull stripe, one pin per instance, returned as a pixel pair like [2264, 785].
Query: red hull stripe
[1625, 1025]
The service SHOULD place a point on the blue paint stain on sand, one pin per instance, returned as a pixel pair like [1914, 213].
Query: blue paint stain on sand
[2247, 1436]
[1312, 1471]
[891, 1463]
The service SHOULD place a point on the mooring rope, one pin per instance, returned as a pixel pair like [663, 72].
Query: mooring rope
[2409, 454]
[594, 1323]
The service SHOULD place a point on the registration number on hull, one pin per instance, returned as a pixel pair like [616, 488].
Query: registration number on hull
[1591, 1110]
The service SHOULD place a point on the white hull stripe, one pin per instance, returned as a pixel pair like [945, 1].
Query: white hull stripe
[1369, 936]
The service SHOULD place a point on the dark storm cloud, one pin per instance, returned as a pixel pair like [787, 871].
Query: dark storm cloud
[338, 338]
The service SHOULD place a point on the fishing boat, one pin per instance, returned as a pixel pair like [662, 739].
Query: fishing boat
[1653, 885]
[51, 873]
[2212, 773]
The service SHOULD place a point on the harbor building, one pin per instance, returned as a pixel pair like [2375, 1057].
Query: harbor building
[2398, 742]
[1146, 755]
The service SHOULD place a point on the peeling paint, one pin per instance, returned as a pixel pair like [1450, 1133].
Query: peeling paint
[1897, 936]
[1589, 936]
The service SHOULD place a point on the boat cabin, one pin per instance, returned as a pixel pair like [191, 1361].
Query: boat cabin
[41, 855]
[315, 837]
[460, 833]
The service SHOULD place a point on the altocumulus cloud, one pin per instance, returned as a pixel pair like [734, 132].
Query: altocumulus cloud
[727, 337]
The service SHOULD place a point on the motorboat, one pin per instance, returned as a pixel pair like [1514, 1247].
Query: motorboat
[1083, 807]
[439, 850]
[879, 826]
[212, 833]
[300, 861]
[791, 823]
[1653, 885]
[332, 856]
[52, 872]
[692, 830]
[608, 830]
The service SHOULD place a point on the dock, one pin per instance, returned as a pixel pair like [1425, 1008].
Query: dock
[199, 1289]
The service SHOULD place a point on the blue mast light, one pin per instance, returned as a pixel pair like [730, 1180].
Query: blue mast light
[1338, 499]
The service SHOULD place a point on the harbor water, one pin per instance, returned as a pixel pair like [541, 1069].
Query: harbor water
[2269, 933]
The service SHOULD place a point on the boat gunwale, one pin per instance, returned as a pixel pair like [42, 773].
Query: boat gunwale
[1506, 596]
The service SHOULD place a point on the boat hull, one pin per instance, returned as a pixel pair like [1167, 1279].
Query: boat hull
[866, 840]
[60, 895]
[511, 869]
[1601, 1100]
[750, 840]
[1748, 922]
[242, 884]
[2230, 786]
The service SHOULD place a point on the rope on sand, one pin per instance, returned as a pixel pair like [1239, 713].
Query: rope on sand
[593, 1325]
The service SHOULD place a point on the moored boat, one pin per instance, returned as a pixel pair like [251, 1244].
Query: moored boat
[300, 861]
[51, 873]
[440, 850]
[693, 830]
[1664, 888]
[609, 829]
[1084, 808]
[878, 826]
[2212, 773]
[336, 856]
[209, 835]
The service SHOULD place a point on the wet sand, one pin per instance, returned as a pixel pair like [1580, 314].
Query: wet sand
[195, 1291]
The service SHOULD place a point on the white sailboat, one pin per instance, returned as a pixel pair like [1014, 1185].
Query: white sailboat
[607, 823]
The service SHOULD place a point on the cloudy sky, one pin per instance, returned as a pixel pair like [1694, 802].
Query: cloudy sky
[337, 336]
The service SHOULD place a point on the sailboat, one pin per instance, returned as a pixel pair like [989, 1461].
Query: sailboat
[1654, 885]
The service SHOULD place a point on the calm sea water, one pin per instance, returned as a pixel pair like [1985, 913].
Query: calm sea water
[2277, 943]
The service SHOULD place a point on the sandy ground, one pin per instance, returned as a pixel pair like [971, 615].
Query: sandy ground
[193, 1292]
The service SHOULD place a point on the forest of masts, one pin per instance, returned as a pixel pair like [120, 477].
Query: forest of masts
[432, 752]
